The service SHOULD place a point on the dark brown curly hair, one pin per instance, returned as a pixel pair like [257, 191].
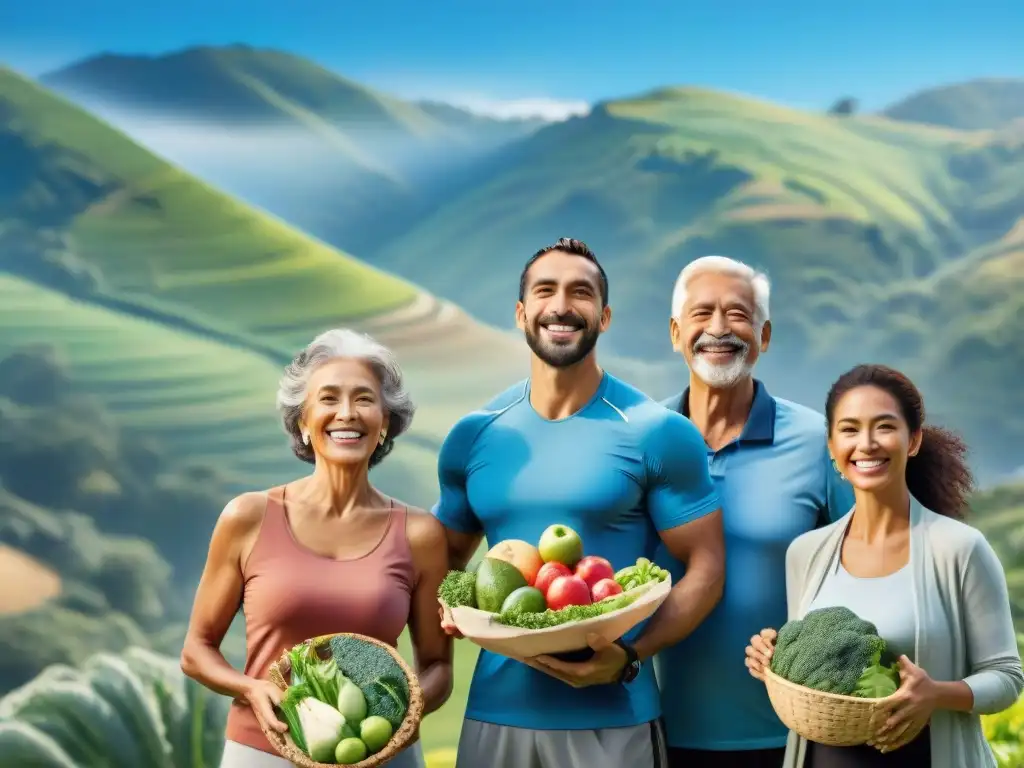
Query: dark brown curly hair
[938, 476]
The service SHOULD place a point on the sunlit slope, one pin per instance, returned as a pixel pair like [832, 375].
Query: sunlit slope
[825, 203]
[157, 234]
[91, 215]
[205, 401]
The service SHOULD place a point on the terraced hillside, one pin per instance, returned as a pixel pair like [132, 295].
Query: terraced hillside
[178, 304]
[322, 151]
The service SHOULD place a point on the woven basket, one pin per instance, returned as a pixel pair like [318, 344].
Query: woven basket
[279, 674]
[825, 718]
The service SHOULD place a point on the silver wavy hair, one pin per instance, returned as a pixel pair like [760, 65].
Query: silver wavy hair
[342, 342]
[759, 284]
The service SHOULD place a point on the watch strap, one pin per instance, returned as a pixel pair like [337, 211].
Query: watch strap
[632, 667]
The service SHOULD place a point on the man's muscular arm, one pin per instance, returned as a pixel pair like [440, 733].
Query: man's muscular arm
[685, 507]
[463, 532]
[699, 545]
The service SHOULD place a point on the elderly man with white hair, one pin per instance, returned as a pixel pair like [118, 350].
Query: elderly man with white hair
[770, 463]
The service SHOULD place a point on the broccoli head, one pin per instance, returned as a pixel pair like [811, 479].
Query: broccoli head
[377, 674]
[832, 650]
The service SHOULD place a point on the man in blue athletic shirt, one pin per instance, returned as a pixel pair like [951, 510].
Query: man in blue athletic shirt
[770, 463]
[574, 445]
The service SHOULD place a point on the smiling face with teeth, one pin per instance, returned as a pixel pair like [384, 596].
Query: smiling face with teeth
[870, 440]
[562, 313]
[344, 412]
[716, 331]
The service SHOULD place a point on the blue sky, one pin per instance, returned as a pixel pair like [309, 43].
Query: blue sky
[494, 52]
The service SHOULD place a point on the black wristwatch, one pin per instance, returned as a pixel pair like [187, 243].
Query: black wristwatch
[633, 664]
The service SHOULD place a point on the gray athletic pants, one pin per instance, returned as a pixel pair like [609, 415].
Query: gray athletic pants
[483, 745]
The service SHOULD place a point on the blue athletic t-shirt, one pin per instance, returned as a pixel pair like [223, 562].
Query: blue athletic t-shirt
[618, 471]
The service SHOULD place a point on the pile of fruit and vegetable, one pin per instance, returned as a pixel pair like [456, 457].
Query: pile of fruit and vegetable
[346, 707]
[835, 651]
[536, 587]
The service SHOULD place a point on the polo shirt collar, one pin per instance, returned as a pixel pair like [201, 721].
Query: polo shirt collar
[760, 426]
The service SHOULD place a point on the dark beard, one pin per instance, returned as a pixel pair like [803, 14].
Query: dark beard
[563, 356]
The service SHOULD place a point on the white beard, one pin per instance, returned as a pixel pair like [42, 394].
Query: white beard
[721, 376]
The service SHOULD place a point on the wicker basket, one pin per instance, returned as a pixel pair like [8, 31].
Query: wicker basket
[403, 736]
[825, 718]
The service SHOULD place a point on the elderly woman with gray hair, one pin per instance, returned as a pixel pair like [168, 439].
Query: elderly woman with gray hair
[325, 553]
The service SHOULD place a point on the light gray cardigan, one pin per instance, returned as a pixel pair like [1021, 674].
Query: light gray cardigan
[953, 560]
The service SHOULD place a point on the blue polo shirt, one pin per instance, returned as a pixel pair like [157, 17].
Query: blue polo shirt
[618, 471]
[776, 482]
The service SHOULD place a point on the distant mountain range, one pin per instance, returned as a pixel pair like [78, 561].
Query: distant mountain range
[291, 137]
[888, 239]
[981, 104]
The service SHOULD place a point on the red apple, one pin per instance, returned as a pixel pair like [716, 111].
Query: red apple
[605, 588]
[548, 573]
[592, 569]
[568, 590]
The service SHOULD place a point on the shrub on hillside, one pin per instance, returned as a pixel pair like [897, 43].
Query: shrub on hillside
[100, 572]
[60, 451]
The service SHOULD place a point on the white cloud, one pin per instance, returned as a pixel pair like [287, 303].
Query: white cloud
[538, 107]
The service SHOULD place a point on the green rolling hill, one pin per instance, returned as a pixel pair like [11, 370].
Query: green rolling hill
[873, 231]
[266, 117]
[210, 296]
[873, 228]
[986, 103]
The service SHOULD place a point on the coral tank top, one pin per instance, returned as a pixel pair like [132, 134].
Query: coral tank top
[292, 594]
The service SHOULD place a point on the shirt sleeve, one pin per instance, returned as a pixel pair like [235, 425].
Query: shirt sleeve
[838, 497]
[996, 678]
[679, 484]
[453, 509]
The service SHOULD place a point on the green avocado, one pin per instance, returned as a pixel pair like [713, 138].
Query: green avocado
[525, 600]
[495, 581]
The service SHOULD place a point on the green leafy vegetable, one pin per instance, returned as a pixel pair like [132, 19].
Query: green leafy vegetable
[833, 650]
[549, 618]
[377, 674]
[878, 680]
[643, 572]
[388, 697]
[458, 589]
[289, 709]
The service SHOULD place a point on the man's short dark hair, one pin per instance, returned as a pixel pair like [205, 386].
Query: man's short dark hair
[574, 248]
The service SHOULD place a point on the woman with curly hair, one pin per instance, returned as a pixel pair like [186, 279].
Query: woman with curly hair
[904, 560]
[324, 553]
